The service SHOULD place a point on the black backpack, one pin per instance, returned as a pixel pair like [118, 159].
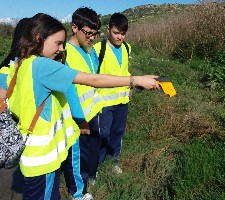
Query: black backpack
[102, 52]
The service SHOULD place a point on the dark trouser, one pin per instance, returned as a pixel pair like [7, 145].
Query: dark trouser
[112, 126]
[42, 187]
[89, 152]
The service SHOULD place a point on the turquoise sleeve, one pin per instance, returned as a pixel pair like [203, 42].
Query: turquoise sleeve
[3, 84]
[74, 103]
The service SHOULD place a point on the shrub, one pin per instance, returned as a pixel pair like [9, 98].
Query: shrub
[5, 44]
[214, 76]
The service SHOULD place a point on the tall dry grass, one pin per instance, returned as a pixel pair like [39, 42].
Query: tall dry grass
[197, 32]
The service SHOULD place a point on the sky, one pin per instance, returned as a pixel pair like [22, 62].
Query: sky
[64, 8]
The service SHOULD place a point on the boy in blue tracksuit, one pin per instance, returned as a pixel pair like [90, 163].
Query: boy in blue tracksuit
[81, 56]
[114, 114]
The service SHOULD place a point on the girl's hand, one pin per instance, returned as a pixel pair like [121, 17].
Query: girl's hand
[147, 82]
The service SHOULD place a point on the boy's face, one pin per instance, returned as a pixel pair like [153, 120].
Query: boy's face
[85, 36]
[116, 37]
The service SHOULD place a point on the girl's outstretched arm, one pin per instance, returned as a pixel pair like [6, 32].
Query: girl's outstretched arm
[106, 81]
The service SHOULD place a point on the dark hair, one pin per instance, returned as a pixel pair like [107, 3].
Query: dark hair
[86, 17]
[43, 25]
[17, 34]
[120, 21]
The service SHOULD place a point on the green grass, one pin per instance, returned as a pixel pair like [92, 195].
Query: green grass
[200, 171]
[158, 158]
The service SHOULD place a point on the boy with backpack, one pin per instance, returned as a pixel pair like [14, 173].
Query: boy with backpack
[113, 56]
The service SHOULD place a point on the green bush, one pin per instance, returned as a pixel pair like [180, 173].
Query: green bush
[214, 72]
[5, 44]
[6, 32]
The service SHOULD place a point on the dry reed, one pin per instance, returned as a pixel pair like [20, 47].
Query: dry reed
[197, 32]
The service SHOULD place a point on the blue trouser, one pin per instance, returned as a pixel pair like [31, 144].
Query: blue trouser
[71, 170]
[112, 126]
[89, 152]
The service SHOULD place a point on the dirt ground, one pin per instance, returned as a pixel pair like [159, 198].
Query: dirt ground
[11, 184]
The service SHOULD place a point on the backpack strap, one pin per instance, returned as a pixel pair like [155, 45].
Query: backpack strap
[37, 114]
[12, 82]
[102, 52]
[127, 48]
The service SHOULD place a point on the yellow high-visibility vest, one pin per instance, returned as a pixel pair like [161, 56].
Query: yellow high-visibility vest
[90, 100]
[47, 146]
[110, 65]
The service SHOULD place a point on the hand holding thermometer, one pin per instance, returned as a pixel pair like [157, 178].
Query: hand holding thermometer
[166, 86]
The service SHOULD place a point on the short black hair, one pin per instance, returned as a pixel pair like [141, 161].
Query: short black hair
[120, 21]
[86, 17]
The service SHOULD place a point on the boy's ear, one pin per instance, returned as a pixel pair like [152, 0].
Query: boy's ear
[108, 29]
[74, 28]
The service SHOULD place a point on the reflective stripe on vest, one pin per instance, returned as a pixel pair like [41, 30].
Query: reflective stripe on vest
[47, 158]
[91, 102]
[112, 97]
[110, 65]
[95, 100]
[87, 95]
